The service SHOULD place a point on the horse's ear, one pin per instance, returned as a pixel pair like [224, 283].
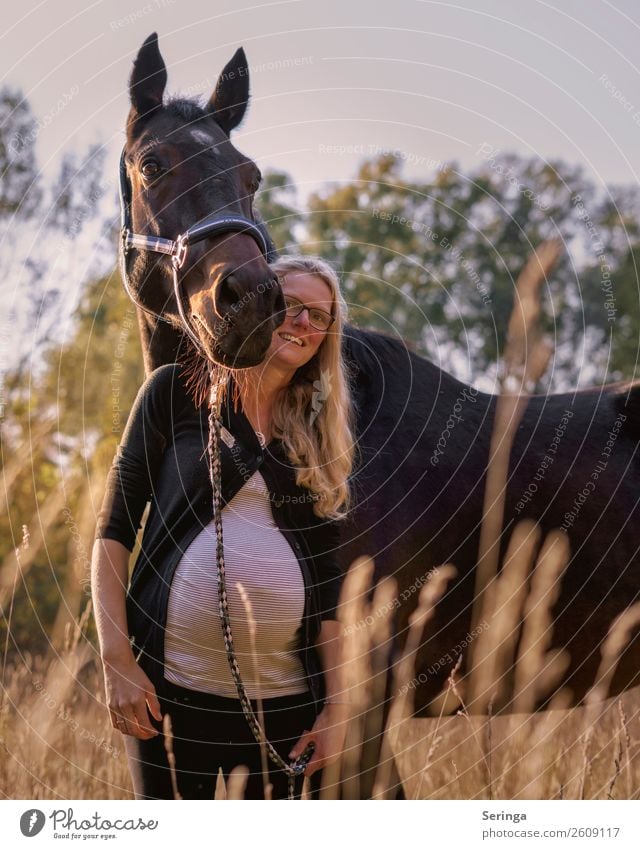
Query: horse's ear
[229, 101]
[148, 80]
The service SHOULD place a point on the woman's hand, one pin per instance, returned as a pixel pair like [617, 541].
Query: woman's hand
[328, 733]
[128, 692]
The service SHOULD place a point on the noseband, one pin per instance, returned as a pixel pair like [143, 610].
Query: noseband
[212, 225]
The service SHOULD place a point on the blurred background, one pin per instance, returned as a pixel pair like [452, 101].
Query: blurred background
[426, 148]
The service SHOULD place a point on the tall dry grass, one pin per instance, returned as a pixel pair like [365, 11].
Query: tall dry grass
[588, 752]
[55, 732]
[58, 742]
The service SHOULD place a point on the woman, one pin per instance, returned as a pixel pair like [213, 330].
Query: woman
[286, 455]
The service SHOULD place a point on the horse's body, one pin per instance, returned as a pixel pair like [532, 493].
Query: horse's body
[423, 436]
[424, 443]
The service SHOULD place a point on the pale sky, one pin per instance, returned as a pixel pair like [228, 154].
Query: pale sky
[337, 79]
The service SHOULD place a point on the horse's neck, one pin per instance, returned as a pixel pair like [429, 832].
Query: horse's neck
[160, 342]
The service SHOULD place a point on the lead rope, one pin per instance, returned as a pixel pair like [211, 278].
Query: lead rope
[215, 473]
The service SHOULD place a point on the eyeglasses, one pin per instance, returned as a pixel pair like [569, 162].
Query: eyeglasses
[320, 319]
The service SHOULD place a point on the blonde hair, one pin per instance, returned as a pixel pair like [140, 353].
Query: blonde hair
[313, 415]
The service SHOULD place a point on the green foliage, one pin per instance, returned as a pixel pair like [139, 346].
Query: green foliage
[437, 261]
[87, 387]
[95, 377]
[276, 202]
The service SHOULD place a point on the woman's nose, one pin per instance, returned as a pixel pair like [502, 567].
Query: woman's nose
[302, 319]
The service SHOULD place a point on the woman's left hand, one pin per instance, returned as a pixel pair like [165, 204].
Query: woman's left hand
[328, 733]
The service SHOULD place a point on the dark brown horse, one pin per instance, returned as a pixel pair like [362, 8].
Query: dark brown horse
[179, 172]
[423, 435]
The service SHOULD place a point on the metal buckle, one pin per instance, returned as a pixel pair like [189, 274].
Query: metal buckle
[180, 253]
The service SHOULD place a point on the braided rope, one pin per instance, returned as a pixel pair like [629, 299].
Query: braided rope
[215, 473]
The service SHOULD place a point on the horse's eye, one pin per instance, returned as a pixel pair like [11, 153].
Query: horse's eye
[150, 168]
[255, 183]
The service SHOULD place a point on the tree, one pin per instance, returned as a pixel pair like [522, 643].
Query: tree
[276, 202]
[49, 230]
[436, 261]
[20, 186]
[59, 436]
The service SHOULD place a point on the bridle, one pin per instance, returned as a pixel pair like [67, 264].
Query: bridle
[211, 225]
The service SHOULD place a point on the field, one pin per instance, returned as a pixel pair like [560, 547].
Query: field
[58, 742]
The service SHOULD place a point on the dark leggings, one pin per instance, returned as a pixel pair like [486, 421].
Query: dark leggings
[211, 732]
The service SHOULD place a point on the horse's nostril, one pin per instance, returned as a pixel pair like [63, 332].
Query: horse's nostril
[228, 294]
[232, 293]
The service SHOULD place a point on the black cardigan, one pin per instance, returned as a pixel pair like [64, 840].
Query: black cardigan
[162, 458]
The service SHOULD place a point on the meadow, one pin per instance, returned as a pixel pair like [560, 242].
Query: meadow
[58, 741]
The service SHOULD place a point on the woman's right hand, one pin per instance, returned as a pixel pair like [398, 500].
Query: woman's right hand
[129, 691]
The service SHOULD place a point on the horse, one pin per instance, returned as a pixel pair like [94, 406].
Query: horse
[211, 278]
[423, 436]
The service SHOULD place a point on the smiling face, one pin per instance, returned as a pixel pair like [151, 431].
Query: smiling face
[303, 340]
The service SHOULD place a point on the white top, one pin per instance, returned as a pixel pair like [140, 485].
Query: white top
[258, 555]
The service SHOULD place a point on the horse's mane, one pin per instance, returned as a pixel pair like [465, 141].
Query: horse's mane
[195, 371]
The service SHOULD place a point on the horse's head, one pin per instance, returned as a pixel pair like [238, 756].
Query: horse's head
[182, 169]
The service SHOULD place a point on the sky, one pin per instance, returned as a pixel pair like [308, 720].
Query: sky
[336, 81]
